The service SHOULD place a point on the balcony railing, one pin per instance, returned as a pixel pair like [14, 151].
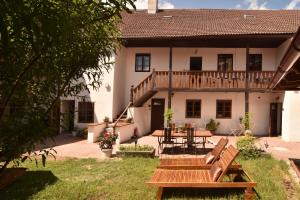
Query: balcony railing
[204, 80]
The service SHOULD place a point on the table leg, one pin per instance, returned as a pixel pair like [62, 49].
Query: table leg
[159, 143]
[203, 142]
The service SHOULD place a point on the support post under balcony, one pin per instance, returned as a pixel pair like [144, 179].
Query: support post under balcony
[247, 81]
[170, 79]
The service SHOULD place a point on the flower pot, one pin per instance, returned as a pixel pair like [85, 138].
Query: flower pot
[107, 153]
[74, 133]
[9, 175]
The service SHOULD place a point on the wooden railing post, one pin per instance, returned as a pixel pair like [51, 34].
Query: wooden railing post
[131, 93]
[153, 78]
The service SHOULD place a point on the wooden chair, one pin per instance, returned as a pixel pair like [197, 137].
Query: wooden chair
[194, 163]
[205, 178]
[168, 140]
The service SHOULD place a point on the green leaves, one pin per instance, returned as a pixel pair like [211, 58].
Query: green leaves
[49, 49]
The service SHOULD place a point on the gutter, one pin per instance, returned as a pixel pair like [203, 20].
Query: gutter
[287, 62]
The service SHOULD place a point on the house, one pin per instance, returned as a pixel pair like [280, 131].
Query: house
[203, 64]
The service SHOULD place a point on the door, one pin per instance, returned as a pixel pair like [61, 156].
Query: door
[157, 114]
[275, 119]
[71, 115]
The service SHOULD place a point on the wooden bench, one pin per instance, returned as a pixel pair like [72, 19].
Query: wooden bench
[194, 163]
[204, 178]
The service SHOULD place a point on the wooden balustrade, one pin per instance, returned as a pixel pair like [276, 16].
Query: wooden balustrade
[192, 80]
[213, 79]
[146, 85]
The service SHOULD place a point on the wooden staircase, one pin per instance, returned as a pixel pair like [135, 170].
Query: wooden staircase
[144, 91]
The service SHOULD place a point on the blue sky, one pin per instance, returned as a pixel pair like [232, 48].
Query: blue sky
[235, 4]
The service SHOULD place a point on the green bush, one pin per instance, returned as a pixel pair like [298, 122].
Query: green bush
[248, 149]
[212, 125]
[83, 133]
[135, 148]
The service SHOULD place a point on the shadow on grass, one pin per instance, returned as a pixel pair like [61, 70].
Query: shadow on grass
[202, 193]
[29, 184]
[192, 151]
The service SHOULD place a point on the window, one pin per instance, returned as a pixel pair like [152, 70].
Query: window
[193, 109]
[195, 63]
[142, 62]
[225, 62]
[85, 112]
[223, 109]
[255, 62]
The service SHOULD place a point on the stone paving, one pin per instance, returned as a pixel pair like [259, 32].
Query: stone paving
[70, 146]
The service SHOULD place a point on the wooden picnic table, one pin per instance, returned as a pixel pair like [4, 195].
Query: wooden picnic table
[204, 134]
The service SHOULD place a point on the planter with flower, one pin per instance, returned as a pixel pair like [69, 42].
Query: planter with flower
[106, 142]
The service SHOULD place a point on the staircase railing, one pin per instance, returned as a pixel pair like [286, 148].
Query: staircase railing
[146, 85]
[120, 117]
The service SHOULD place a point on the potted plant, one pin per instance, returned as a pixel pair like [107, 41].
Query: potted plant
[247, 122]
[106, 119]
[82, 133]
[129, 120]
[168, 116]
[106, 142]
[212, 125]
[74, 131]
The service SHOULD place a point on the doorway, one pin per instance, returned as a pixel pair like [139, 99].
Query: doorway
[275, 119]
[157, 114]
[68, 112]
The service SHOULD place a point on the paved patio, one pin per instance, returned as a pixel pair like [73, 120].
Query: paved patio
[70, 146]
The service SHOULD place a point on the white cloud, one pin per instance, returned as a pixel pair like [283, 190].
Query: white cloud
[238, 6]
[292, 4]
[254, 5]
[166, 4]
[162, 4]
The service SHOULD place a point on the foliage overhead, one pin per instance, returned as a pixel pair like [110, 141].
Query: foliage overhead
[46, 46]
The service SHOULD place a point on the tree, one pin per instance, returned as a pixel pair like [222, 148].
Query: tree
[46, 46]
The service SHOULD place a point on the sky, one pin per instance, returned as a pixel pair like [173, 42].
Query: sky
[230, 4]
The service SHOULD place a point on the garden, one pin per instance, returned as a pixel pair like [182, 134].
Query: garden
[125, 179]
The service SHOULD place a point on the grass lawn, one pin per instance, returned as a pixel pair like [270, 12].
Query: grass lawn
[125, 179]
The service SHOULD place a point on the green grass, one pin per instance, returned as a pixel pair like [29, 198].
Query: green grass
[125, 179]
[136, 148]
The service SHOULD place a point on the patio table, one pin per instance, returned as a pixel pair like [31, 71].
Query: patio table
[198, 133]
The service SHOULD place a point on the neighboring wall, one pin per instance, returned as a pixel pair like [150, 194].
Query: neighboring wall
[181, 56]
[290, 116]
[102, 98]
[119, 77]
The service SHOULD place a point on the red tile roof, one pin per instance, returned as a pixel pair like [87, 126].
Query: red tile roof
[208, 22]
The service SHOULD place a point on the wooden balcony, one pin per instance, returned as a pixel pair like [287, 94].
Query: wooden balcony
[213, 81]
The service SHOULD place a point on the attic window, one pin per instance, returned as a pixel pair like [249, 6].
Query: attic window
[167, 16]
[249, 16]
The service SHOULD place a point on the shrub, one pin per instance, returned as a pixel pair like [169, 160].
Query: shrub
[83, 133]
[168, 115]
[136, 148]
[248, 149]
[212, 125]
[247, 121]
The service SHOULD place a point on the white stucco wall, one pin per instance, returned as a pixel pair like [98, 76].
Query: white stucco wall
[290, 116]
[259, 108]
[181, 59]
[102, 98]
[282, 49]
[118, 93]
